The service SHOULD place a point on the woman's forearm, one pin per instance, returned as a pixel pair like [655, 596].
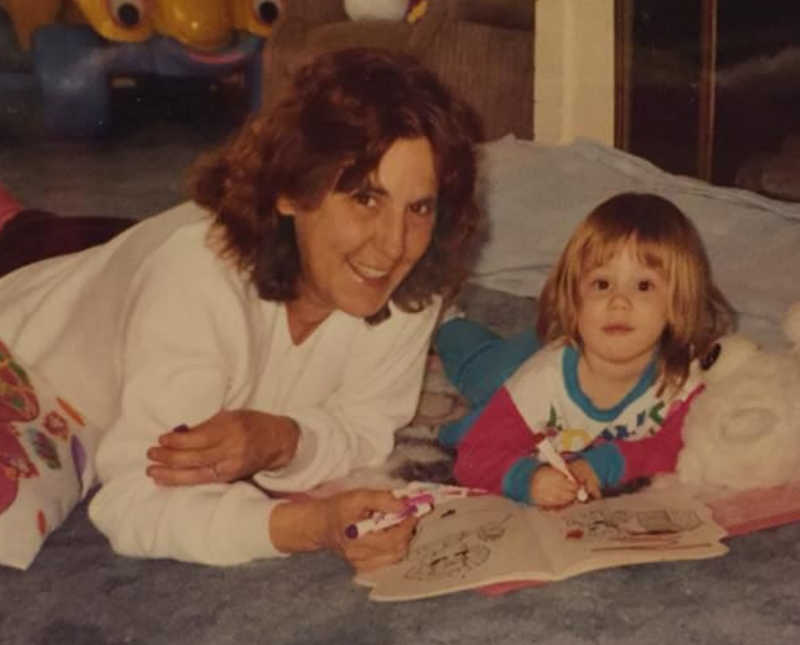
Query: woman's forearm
[298, 526]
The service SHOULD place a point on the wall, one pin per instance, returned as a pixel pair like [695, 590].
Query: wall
[574, 70]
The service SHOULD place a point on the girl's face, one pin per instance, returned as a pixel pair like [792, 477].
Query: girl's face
[623, 309]
[356, 248]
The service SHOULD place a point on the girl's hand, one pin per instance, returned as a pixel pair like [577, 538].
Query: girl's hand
[230, 445]
[584, 473]
[321, 524]
[552, 489]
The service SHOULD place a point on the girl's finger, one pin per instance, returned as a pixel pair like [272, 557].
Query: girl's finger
[591, 486]
[561, 496]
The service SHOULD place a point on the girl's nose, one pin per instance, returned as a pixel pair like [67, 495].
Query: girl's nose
[619, 298]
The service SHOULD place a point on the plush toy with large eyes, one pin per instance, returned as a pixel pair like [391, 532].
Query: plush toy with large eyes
[743, 431]
[79, 47]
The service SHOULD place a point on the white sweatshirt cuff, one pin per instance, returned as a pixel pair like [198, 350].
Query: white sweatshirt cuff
[290, 478]
[252, 526]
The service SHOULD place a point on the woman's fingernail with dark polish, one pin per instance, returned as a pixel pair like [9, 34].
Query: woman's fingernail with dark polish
[181, 428]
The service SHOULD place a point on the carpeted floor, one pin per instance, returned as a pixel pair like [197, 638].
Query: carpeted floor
[78, 592]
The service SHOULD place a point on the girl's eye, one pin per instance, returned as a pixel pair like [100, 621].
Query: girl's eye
[600, 284]
[645, 285]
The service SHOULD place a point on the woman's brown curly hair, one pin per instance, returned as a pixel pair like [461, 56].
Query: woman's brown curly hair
[329, 131]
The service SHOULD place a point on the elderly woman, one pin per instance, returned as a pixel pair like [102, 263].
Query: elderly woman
[275, 327]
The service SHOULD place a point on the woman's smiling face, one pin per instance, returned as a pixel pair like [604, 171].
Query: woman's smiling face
[355, 248]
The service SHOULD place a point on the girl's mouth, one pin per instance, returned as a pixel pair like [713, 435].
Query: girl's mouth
[617, 329]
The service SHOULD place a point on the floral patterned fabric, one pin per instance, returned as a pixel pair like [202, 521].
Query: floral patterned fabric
[45, 461]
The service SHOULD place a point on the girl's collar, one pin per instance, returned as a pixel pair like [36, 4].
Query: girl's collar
[577, 395]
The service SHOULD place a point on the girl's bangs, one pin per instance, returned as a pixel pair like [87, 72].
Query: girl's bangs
[602, 248]
[653, 254]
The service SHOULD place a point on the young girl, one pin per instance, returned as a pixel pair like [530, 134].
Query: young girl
[627, 308]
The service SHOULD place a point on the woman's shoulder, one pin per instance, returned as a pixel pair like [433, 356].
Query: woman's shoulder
[185, 225]
[181, 243]
[173, 269]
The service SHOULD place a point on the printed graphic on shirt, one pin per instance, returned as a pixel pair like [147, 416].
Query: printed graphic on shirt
[647, 423]
[567, 438]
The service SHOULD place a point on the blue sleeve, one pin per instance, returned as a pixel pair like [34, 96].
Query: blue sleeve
[517, 480]
[607, 463]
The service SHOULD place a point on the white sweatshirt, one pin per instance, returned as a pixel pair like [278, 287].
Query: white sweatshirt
[152, 330]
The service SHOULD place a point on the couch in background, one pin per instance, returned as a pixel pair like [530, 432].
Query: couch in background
[483, 49]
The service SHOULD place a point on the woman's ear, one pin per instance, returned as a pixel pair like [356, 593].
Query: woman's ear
[286, 206]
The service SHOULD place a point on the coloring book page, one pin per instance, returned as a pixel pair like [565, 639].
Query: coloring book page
[477, 541]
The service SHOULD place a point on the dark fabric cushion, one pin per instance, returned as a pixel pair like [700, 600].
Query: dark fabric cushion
[35, 235]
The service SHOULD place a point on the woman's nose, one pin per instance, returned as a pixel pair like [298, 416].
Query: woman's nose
[391, 234]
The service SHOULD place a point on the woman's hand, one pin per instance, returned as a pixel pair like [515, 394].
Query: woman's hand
[230, 445]
[322, 523]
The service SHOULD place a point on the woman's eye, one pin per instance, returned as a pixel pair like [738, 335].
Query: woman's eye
[365, 199]
[421, 208]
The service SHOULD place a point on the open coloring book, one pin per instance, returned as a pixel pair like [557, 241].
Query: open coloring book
[477, 541]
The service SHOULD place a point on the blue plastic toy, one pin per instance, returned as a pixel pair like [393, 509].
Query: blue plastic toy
[78, 47]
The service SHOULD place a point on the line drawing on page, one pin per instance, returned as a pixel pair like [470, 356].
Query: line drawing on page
[456, 554]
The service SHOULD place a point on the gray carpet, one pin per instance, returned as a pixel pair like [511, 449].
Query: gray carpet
[78, 592]
[135, 174]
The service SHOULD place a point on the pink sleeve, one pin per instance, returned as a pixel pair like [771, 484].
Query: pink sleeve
[659, 453]
[497, 439]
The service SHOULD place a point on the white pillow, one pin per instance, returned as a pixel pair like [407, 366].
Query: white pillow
[536, 194]
[45, 469]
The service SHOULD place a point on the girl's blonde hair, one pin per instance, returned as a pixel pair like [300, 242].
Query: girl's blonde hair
[665, 239]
